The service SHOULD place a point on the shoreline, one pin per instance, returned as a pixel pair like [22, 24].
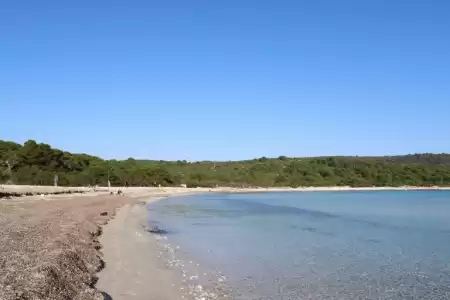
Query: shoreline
[53, 226]
[50, 243]
[35, 192]
[134, 268]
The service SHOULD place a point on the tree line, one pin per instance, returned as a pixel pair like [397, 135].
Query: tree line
[37, 164]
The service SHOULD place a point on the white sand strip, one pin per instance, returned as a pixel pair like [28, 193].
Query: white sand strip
[133, 269]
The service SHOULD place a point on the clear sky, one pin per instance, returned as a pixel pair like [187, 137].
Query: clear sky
[226, 80]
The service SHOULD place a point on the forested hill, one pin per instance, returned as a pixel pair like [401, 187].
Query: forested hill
[34, 163]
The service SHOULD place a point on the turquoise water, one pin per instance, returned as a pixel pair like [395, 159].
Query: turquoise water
[317, 245]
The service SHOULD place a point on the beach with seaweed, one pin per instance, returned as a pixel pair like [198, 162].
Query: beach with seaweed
[50, 242]
[98, 244]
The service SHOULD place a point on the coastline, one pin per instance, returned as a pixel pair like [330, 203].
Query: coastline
[50, 243]
[125, 254]
[38, 192]
[134, 269]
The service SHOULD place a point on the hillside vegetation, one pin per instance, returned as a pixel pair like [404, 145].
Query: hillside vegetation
[37, 164]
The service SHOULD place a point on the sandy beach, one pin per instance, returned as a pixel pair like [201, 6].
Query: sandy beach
[51, 250]
[133, 268]
[53, 245]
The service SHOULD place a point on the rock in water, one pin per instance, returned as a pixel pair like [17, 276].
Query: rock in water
[157, 230]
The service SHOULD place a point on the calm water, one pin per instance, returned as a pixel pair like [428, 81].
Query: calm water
[314, 245]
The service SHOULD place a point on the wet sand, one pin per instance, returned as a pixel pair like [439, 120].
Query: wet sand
[133, 269]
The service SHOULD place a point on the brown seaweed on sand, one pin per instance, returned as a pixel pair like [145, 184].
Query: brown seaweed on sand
[49, 249]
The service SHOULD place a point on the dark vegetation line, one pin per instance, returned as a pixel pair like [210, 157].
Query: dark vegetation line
[37, 164]
[16, 194]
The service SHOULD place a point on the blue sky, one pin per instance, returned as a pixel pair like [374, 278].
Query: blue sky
[226, 79]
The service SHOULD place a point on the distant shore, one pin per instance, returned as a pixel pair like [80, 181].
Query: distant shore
[30, 190]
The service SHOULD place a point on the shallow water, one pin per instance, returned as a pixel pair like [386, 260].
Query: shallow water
[316, 245]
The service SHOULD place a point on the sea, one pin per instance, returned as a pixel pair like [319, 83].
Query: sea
[310, 245]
